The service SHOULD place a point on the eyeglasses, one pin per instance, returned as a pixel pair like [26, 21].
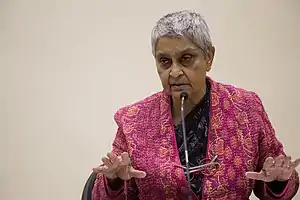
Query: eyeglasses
[201, 167]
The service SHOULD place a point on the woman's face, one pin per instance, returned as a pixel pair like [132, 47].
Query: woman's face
[182, 65]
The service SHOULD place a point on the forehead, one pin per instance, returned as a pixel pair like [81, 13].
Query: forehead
[174, 45]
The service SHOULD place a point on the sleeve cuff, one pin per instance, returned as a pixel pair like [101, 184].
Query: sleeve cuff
[277, 189]
[110, 192]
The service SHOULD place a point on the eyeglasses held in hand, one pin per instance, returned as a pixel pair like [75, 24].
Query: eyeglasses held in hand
[198, 168]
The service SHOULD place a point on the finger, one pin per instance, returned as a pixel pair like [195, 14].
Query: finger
[296, 163]
[269, 163]
[260, 176]
[106, 161]
[279, 161]
[112, 157]
[100, 169]
[116, 162]
[125, 159]
[287, 162]
[136, 173]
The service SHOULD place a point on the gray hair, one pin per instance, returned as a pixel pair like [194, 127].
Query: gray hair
[184, 23]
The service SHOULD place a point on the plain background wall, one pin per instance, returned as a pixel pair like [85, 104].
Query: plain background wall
[67, 65]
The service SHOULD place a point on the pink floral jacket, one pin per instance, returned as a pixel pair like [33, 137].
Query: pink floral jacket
[240, 134]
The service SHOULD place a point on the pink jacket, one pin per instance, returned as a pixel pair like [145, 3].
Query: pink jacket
[240, 134]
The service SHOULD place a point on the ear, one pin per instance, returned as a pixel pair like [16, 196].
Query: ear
[210, 58]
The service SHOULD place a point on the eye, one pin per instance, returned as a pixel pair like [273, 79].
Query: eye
[186, 57]
[164, 61]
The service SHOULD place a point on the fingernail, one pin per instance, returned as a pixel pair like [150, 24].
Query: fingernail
[94, 170]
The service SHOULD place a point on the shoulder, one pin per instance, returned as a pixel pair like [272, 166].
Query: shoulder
[243, 99]
[237, 94]
[242, 102]
[140, 108]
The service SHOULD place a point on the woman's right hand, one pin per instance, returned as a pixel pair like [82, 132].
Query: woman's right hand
[114, 167]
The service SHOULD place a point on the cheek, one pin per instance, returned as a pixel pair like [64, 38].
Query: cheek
[164, 77]
[200, 65]
[196, 77]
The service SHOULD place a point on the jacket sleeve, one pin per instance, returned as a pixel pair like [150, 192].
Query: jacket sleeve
[270, 146]
[101, 190]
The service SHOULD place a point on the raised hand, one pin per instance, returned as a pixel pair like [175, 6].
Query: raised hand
[275, 169]
[118, 167]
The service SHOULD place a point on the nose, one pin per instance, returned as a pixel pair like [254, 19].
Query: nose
[175, 71]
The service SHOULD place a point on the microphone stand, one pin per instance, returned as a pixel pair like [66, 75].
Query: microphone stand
[183, 97]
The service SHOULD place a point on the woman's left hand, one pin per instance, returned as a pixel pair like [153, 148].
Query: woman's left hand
[275, 169]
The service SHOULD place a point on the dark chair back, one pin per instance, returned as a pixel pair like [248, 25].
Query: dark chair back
[88, 188]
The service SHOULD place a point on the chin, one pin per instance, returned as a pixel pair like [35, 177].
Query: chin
[176, 94]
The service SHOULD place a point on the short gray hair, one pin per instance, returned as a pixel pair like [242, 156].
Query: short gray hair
[184, 23]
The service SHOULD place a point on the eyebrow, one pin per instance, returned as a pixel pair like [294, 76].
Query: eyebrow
[190, 49]
[159, 53]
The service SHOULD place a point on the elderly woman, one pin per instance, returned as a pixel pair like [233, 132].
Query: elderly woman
[224, 122]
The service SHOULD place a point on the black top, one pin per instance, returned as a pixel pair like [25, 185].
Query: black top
[196, 124]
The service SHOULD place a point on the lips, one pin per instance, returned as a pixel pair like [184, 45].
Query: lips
[179, 86]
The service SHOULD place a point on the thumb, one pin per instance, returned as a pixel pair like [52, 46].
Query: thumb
[255, 176]
[137, 173]
[296, 163]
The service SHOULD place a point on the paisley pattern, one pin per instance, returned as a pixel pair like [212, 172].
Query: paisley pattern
[239, 132]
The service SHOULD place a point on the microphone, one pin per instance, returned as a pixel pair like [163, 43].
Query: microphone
[184, 96]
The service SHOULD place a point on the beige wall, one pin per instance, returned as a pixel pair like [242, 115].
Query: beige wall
[67, 65]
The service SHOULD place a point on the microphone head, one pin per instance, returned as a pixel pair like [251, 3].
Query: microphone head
[184, 95]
